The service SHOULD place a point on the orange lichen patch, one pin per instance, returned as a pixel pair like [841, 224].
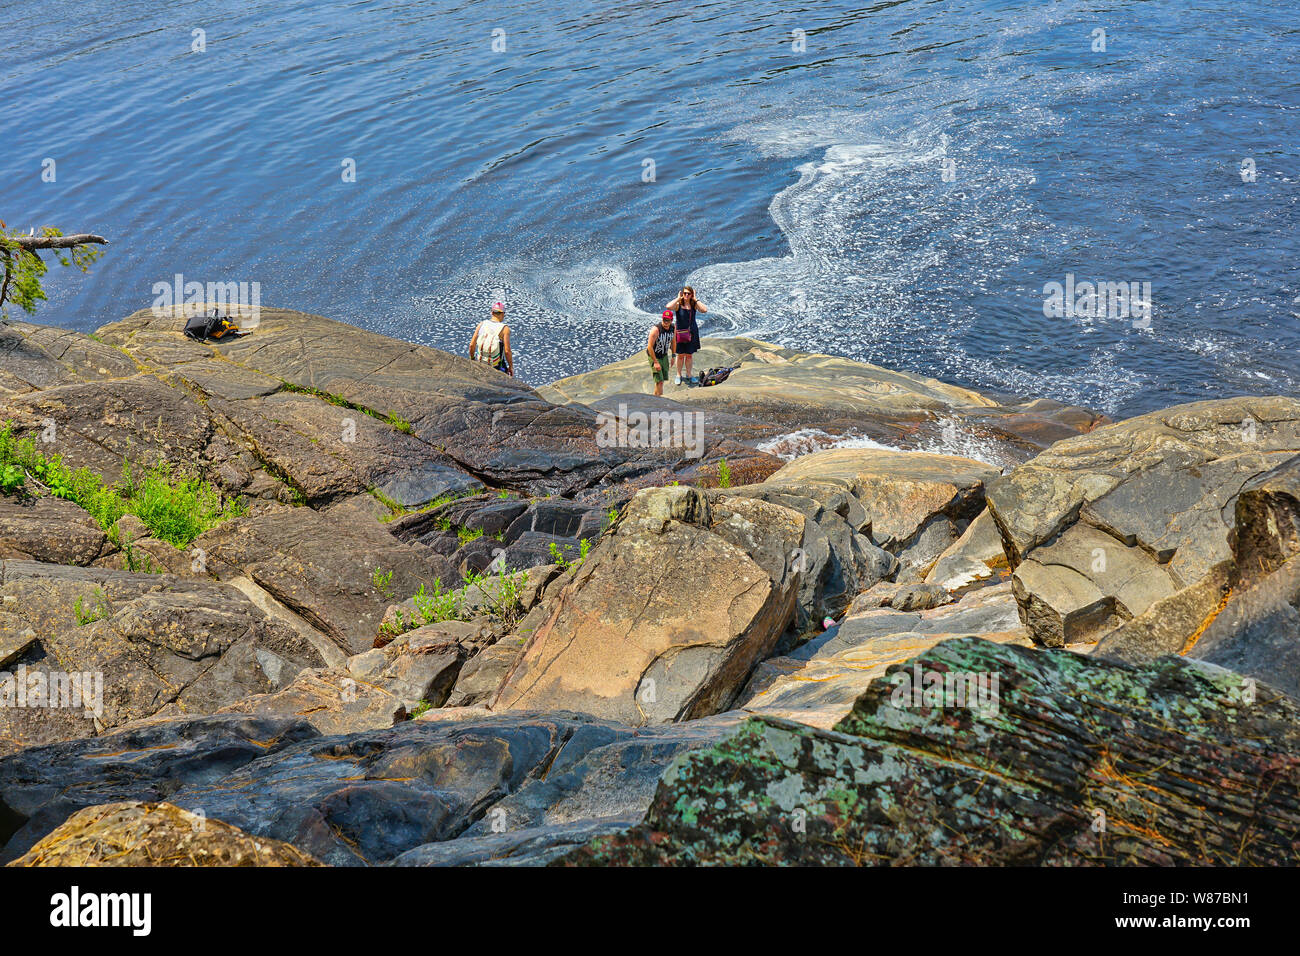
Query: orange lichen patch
[1147, 832]
[133, 750]
[1196, 635]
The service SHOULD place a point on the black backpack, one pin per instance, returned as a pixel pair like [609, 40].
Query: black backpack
[212, 326]
[715, 375]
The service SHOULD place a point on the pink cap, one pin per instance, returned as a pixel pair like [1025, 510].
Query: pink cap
[498, 307]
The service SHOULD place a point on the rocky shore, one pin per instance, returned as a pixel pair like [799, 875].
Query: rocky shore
[435, 617]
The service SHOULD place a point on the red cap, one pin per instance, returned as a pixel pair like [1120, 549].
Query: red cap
[668, 314]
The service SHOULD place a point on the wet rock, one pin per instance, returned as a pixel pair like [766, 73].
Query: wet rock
[40, 787]
[365, 798]
[133, 833]
[1072, 760]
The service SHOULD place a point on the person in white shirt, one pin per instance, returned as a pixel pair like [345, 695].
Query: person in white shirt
[491, 341]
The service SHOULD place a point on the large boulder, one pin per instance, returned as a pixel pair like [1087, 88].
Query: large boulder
[49, 529]
[1102, 526]
[133, 833]
[915, 505]
[989, 754]
[666, 618]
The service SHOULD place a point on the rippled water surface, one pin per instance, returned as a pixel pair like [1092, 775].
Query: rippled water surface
[800, 187]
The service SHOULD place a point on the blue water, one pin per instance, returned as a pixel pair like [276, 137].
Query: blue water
[802, 192]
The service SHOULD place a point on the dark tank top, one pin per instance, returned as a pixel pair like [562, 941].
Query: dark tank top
[665, 340]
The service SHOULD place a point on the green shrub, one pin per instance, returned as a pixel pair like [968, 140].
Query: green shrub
[176, 507]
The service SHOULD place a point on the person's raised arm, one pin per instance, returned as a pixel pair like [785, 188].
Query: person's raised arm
[673, 304]
[699, 306]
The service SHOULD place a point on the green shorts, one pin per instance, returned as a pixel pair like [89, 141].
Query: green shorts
[658, 375]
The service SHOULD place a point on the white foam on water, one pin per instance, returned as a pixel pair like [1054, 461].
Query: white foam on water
[951, 440]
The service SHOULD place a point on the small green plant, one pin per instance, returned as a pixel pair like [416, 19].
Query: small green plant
[503, 494]
[724, 473]
[398, 422]
[136, 560]
[557, 555]
[500, 593]
[12, 480]
[422, 707]
[611, 517]
[383, 581]
[466, 535]
[95, 612]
